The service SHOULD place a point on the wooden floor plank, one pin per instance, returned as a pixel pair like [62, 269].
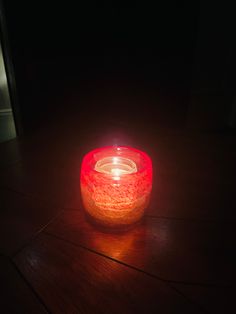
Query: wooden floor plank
[71, 279]
[21, 218]
[175, 250]
[16, 296]
[214, 299]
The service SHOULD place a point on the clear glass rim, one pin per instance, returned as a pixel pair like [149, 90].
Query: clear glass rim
[89, 159]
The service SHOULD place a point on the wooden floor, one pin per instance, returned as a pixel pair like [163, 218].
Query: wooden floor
[180, 259]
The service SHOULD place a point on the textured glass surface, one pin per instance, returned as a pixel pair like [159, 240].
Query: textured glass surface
[116, 183]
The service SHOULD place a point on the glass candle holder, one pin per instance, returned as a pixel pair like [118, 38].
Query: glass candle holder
[116, 183]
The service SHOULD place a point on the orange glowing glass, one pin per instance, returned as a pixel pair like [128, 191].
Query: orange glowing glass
[116, 183]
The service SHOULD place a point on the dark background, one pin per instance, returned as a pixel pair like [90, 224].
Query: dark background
[134, 65]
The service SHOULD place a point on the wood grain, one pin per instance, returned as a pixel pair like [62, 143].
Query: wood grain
[175, 250]
[187, 238]
[16, 296]
[70, 279]
[213, 299]
[21, 218]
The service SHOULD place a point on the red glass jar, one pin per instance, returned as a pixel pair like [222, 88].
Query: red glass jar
[116, 183]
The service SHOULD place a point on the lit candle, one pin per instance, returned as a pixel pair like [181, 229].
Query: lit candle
[116, 183]
[116, 166]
